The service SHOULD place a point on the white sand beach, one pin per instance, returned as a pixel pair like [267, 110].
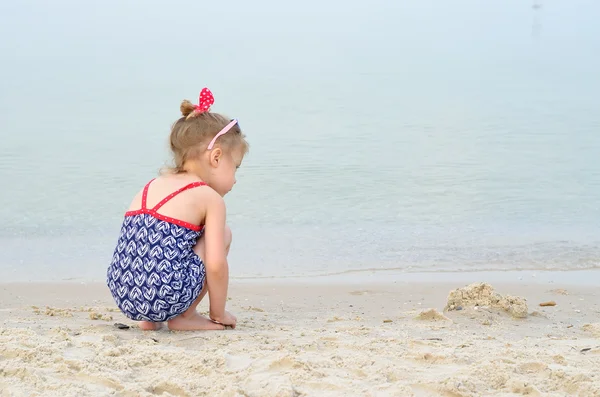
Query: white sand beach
[308, 340]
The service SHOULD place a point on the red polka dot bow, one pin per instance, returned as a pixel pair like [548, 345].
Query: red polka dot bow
[205, 101]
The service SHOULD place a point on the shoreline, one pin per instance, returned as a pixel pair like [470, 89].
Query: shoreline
[375, 276]
[305, 339]
[575, 277]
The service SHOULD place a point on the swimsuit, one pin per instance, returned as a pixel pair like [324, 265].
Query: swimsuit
[154, 274]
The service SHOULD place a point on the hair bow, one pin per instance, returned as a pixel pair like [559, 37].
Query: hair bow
[205, 101]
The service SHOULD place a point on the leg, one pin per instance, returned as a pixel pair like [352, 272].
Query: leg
[191, 320]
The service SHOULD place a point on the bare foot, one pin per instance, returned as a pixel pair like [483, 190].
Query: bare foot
[193, 322]
[150, 326]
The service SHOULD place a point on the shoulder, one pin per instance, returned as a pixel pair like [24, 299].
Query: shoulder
[210, 196]
[213, 205]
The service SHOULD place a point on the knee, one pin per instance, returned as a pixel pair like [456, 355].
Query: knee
[228, 236]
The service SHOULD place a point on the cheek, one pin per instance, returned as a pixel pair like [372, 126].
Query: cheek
[228, 175]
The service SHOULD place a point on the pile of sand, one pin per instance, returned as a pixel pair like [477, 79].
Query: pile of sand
[593, 329]
[482, 294]
[431, 315]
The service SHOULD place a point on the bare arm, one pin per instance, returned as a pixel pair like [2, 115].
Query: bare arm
[217, 268]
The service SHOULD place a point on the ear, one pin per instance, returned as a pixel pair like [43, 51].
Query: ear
[216, 156]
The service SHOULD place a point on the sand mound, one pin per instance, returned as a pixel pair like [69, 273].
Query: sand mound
[559, 291]
[593, 329]
[482, 294]
[431, 315]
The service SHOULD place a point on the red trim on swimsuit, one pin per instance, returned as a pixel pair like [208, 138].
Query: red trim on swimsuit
[153, 211]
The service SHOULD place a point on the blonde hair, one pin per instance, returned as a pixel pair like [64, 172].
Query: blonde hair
[191, 134]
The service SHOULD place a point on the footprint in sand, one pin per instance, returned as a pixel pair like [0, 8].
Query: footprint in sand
[532, 367]
[238, 363]
[169, 389]
[284, 363]
[254, 309]
[104, 382]
[520, 387]
[358, 293]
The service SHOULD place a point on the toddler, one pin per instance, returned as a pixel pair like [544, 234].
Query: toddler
[174, 241]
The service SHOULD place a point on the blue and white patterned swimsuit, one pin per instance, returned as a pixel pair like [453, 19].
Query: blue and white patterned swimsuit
[155, 274]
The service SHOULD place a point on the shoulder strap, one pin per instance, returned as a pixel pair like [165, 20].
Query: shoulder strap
[145, 194]
[183, 189]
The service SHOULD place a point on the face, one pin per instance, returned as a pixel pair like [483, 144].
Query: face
[224, 164]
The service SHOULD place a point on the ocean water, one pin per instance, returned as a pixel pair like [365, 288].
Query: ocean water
[391, 136]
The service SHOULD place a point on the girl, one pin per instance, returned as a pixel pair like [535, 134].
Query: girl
[174, 242]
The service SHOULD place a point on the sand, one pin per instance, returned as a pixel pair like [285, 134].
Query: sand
[391, 339]
[478, 295]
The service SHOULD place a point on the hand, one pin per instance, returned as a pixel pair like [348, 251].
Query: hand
[227, 319]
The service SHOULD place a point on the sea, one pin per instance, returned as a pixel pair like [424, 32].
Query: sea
[386, 137]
